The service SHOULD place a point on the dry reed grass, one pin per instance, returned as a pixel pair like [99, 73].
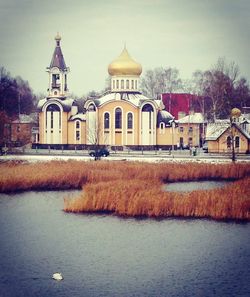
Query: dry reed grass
[135, 189]
[143, 199]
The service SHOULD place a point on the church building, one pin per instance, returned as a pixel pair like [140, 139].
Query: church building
[121, 117]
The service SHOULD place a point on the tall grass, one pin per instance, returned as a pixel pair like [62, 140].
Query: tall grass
[141, 198]
[135, 189]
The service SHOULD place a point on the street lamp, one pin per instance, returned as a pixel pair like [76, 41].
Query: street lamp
[173, 126]
[235, 114]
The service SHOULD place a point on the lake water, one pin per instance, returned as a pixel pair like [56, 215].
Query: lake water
[194, 185]
[109, 256]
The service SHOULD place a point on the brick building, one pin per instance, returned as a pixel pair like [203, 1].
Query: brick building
[21, 131]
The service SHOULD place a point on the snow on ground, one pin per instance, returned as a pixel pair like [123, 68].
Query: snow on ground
[150, 159]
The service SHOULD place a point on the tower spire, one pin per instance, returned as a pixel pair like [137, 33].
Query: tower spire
[58, 72]
[57, 58]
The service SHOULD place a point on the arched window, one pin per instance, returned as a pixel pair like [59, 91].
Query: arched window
[91, 107]
[237, 142]
[122, 84]
[117, 84]
[162, 128]
[190, 130]
[130, 120]
[113, 84]
[118, 118]
[77, 130]
[147, 108]
[132, 84]
[229, 142]
[106, 120]
[136, 84]
[52, 108]
[127, 84]
[77, 124]
[55, 80]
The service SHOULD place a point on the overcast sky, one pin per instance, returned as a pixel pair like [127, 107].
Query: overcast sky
[186, 34]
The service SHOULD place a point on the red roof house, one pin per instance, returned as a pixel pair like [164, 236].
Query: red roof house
[180, 105]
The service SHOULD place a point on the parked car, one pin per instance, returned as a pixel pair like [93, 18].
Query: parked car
[205, 147]
[183, 147]
[99, 153]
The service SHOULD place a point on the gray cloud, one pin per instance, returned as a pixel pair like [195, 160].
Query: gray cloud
[188, 35]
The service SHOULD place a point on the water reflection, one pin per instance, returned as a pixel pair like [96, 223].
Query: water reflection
[109, 256]
[194, 185]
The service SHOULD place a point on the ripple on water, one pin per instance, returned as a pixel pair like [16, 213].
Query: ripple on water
[110, 256]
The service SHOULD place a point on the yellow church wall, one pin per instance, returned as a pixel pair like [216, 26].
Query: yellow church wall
[130, 138]
[83, 132]
[71, 132]
[166, 136]
[120, 136]
[64, 127]
[41, 128]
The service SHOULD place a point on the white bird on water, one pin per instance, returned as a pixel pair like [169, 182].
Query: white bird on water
[57, 276]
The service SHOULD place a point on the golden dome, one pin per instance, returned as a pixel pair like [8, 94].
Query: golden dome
[124, 65]
[235, 113]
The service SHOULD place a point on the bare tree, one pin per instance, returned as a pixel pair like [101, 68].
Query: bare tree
[149, 84]
[160, 80]
[96, 136]
[173, 82]
[221, 86]
[230, 69]
[107, 87]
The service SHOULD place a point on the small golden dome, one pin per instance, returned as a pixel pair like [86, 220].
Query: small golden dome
[124, 65]
[235, 113]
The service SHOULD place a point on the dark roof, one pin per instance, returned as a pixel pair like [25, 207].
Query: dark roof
[164, 117]
[57, 59]
[79, 102]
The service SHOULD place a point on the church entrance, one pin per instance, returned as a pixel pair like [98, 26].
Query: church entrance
[147, 125]
[53, 124]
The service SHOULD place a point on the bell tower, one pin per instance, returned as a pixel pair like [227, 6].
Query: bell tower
[57, 73]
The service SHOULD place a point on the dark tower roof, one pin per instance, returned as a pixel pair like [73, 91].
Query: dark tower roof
[57, 58]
